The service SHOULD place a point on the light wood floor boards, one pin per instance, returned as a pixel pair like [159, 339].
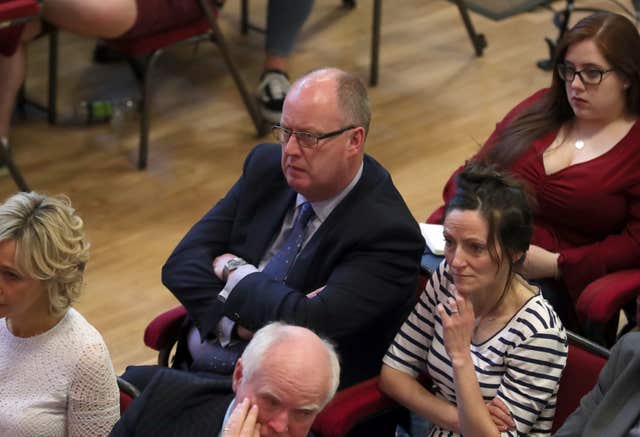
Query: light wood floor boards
[436, 102]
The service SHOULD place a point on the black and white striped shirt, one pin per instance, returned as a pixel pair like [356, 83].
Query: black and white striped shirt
[521, 364]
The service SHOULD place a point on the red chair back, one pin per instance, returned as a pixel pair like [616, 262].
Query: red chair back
[584, 363]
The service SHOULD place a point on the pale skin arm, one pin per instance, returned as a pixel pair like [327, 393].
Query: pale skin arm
[408, 391]
[540, 263]
[475, 417]
[243, 421]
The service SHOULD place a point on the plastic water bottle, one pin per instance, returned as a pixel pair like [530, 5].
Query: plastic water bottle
[94, 111]
[103, 111]
[123, 110]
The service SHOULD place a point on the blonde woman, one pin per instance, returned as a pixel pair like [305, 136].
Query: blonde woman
[56, 376]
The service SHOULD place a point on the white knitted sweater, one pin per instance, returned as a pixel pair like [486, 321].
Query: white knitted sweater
[58, 383]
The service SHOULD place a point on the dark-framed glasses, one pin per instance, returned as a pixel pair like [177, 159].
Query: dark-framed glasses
[588, 75]
[305, 139]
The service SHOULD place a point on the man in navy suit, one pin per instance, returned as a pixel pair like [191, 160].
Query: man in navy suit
[286, 375]
[352, 269]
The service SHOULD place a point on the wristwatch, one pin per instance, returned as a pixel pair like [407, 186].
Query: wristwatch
[230, 266]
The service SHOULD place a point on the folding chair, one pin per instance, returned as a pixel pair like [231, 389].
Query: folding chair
[152, 46]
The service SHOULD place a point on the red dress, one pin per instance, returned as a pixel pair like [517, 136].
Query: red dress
[589, 212]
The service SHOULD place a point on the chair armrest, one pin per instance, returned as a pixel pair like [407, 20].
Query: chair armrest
[164, 329]
[351, 406]
[605, 296]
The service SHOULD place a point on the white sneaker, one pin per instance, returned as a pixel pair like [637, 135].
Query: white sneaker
[272, 90]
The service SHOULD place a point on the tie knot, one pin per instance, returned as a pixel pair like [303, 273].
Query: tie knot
[306, 213]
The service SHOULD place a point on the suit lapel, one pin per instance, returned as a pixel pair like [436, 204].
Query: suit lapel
[307, 268]
[267, 223]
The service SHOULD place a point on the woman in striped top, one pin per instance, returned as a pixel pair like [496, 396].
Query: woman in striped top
[491, 344]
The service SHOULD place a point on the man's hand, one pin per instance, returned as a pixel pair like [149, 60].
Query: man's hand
[501, 415]
[219, 262]
[243, 421]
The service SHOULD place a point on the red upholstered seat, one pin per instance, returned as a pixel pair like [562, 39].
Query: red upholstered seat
[146, 44]
[601, 300]
[352, 406]
[584, 363]
[13, 15]
[162, 331]
[12, 9]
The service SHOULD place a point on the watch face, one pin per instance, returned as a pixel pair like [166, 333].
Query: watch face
[234, 263]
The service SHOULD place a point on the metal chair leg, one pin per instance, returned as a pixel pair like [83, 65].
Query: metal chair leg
[478, 40]
[244, 17]
[5, 156]
[375, 42]
[52, 110]
[248, 99]
[145, 110]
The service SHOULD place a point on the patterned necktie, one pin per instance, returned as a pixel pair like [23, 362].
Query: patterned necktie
[279, 265]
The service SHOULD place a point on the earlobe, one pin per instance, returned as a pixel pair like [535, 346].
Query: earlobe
[356, 140]
[237, 375]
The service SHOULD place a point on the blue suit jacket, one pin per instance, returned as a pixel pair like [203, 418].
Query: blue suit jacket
[367, 253]
[176, 404]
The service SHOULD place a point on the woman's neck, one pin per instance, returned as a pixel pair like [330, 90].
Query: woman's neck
[588, 128]
[504, 304]
[32, 326]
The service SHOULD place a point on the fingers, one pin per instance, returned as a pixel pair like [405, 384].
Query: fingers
[243, 421]
[250, 428]
[501, 415]
[234, 424]
[443, 315]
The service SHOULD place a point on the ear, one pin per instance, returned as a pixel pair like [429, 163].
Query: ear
[356, 140]
[237, 375]
[518, 256]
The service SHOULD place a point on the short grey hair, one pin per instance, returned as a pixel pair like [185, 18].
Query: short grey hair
[354, 100]
[274, 333]
[351, 93]
[50, 244]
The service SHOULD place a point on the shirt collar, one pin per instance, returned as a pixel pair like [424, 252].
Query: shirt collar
[323, 208]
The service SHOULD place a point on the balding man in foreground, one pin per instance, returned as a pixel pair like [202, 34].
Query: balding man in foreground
[284, 378]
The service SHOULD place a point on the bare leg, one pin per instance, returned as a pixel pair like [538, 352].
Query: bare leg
[12, 74]
[101, 18]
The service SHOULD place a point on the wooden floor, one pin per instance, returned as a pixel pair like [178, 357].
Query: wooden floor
[436, 102]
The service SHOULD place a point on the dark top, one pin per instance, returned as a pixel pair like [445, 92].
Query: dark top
[366, 252]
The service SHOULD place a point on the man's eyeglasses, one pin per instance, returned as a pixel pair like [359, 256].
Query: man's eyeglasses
[305, 139]
[588, 76]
